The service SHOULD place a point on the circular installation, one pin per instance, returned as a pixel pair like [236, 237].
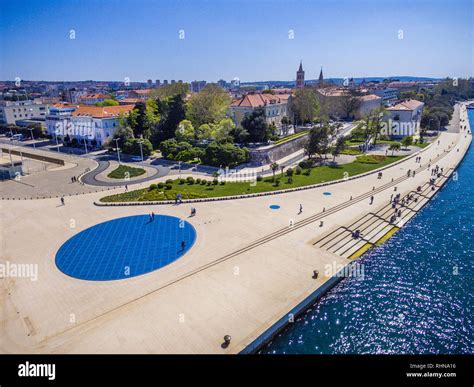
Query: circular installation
[327, 193]
[125, 247]
[274, 207]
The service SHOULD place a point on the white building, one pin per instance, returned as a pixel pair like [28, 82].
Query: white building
[85, 123]
[276, 107]
[389, 95]
[11, 111]
[404, 118]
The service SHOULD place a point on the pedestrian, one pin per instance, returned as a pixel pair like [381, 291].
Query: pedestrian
[126, 187]
[391, 198]
[183, 244]
[301, 208]
[62, 200]
[413, 174]
[152, 215]
[371, 199]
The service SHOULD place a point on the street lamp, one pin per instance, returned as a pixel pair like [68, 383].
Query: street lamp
[32, 137]
[57, 143]
[141, 149]
[85, 144]
[118, 152]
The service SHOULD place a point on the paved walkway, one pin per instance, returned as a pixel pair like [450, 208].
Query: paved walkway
[250, 266]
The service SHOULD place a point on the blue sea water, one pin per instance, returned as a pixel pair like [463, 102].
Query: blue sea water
[416, 296]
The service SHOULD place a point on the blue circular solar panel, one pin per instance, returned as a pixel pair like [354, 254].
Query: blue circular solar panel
[125, 247]
[274, 206]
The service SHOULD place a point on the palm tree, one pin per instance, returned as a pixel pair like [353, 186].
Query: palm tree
[274, 167]
[394, 147]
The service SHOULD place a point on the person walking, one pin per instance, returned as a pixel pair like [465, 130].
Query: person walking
[183, 245]
[301, 209]
[62, 201]
[126, 188]
[371, 199]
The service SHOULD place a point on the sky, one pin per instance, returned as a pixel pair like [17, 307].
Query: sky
[223, 39]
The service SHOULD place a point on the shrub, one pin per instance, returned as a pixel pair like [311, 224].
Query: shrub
[203, 182]
[277, 182]
[222, 182]
[305, 164]
[307, 172]
[289, 172]
[169, 181]
[298, 170]
[198, 181]
[153, 186]
[290, 180]
[259, 178]
[190, 180]
[182, 181]
[160, 185]
[370, 159]
[208, 182]
[168, 186]
[215, 181]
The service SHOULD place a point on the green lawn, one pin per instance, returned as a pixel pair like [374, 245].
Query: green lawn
[124, 171]
[317, 175]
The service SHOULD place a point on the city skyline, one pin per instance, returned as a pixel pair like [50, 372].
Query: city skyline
[218, 40]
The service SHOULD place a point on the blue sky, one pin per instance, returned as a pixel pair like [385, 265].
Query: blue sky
[248, 39]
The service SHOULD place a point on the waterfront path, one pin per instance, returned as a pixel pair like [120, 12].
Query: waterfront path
[249, 267]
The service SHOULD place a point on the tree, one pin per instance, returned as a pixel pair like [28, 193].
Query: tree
[173, 112]
[210, 105]
[306, 105]
[227, 155]
[224, 131]
[185, 131]
[123, 133]
[378, 122]
[170, 90]
[338, 147]
[256, 125]
[407, 141]
[132, 147]
[108, 102]
[318, 141]
[239, 134]
[274, 167]
[137, 120]
[349, 102]
[394, 147]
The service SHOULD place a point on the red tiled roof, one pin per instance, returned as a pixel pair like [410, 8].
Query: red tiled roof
[256, 100]
[102, 111]
[410, 104]
[143, 91]
[93, 96]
